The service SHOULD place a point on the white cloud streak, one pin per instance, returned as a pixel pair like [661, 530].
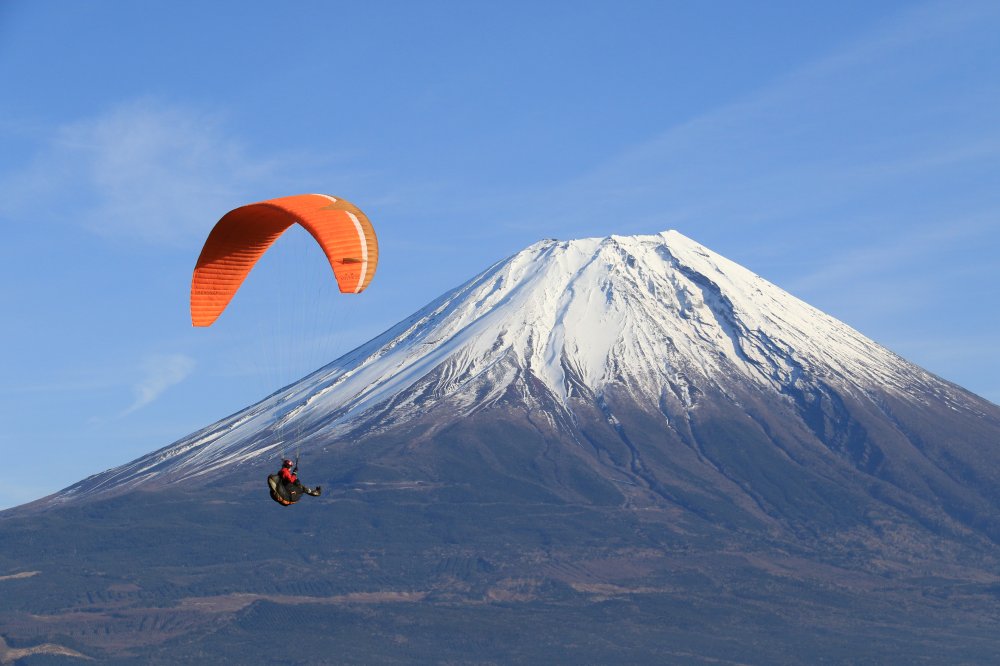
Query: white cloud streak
[894, 255]
[145, 171]
[160, 373]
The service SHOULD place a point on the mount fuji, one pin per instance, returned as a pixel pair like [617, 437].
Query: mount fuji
[608, 447]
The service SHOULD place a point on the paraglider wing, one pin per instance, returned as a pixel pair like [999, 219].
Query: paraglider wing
[242, 236]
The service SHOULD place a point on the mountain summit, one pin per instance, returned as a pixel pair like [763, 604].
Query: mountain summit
[603, 446]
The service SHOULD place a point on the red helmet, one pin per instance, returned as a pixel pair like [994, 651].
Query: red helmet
[286, 463]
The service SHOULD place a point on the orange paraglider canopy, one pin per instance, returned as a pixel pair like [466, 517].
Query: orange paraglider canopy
[242, 236]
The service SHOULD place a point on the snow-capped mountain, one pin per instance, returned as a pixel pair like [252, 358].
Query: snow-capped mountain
[658, 316]
[604, 436]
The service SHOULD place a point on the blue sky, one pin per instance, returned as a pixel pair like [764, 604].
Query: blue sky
[847, 151]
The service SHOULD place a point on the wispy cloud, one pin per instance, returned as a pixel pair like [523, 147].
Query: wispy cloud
[160, 372]
[893, 255]
[146, 170]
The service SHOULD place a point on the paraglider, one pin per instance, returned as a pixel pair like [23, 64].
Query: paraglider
[285, 486]
[244, 234]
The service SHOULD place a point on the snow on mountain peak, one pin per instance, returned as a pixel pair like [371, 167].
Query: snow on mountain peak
[640, 308]
[648, 311]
